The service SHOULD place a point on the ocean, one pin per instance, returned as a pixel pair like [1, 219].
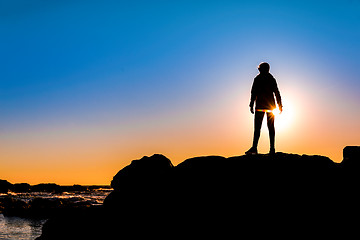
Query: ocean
[16, 228]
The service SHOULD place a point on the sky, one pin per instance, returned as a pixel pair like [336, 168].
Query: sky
[88, 86]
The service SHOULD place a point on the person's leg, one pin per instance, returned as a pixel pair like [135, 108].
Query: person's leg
[257, 127]
[271, 126]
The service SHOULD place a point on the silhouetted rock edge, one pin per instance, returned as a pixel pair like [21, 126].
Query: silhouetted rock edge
[215, 196]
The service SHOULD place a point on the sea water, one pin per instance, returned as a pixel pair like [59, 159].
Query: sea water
[15, 228]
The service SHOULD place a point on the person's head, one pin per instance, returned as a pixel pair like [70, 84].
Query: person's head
[264, 67]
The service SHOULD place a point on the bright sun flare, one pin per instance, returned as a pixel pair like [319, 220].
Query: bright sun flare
[285, 119]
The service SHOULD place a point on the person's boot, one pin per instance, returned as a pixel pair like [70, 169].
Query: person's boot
[251, 151]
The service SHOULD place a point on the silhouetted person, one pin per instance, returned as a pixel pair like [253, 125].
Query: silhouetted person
[262, 94]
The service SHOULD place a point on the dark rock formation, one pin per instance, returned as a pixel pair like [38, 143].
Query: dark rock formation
[281, 195]
[14, 207]
[5, 186]
[46, 187]
[147, 177]
[351, 157]
[21, 187]
[351, 153]
[147, 168]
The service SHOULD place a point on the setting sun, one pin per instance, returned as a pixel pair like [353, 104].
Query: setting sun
[284, 119]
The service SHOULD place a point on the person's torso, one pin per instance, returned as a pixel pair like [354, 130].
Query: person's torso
[265, 91]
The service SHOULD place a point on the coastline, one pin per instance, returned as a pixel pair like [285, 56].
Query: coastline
[23, 214]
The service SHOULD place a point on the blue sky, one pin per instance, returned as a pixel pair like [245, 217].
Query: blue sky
[70, 56]
[70, 64]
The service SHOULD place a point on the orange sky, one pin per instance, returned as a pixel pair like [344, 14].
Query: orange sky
[93, 153]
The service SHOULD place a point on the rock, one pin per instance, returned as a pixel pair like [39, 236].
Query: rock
[90, 223]
[350, 173]
[351, 159]
[351, 154]
[5, 186]
[21, 187]
[141, 180]
[145, 168]
[44, 207]
[46, 187]
[73, 188]
[220, 197]
[15, 207]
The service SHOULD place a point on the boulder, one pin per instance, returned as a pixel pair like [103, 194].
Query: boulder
[139, 182]
[350, 177]
[5, 186]
[351, 154]
[46, 187]
[15, 207]
[146, 168]
[21, 187]
[44, 204]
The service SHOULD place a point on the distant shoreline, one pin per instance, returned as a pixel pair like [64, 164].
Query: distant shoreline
[6, 186]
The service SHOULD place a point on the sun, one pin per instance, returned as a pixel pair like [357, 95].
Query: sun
[284, 119]
[276, 112]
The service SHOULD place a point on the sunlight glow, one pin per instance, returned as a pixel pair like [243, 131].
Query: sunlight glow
[285, 119]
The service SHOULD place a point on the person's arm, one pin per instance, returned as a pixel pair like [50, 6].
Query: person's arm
[278, 96]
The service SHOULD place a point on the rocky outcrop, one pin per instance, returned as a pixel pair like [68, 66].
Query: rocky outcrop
[14, 207]
[142, 179]
[5, 186]
[147, 168]
[351, 156]
[281, 195]
[21, 187]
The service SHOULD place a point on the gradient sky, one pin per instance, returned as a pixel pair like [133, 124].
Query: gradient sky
[88, 86]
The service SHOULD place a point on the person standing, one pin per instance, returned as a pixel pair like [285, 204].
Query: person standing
[262, 95]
